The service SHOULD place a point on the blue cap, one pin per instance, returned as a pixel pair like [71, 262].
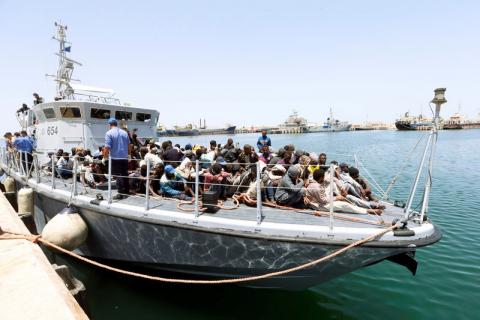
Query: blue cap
[169, 169]
[221, 161]
[112, 121]
[188, 146]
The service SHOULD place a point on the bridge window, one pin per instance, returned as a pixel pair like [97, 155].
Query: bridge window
[49, 113]
[144, 117]
[70, 112]
[99, 113]
[123, 115]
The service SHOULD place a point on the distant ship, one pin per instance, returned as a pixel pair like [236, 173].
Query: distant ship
[203, 130]
[457, 121]
[293, 124]
[331, 125]
[408, 122]
[371, 126]
[186, 131]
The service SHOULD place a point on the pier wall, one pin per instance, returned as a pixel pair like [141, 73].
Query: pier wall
[29, 286]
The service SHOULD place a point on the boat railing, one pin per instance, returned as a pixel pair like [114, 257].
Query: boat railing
[28, 167]
[26, 164]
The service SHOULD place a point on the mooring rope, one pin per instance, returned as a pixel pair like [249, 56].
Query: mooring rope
[7, 235]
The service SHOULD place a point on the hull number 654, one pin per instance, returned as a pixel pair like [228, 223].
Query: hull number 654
[52, 131]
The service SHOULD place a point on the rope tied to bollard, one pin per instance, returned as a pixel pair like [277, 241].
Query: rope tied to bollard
[7, 235]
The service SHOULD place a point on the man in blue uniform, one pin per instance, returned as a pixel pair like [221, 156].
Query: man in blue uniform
[24, 144]
[117, 146]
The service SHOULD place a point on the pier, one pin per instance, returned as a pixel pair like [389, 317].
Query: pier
[30, 288]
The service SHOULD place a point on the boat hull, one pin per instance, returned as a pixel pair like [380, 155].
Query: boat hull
[404, 126]
[202, 254]
[330, 129]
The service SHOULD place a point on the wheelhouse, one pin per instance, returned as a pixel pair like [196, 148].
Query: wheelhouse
[68, 124]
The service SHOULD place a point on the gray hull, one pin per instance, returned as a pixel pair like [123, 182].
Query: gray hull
[204, 254]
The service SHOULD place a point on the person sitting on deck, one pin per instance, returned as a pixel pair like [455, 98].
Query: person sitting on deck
[263, 141]
[265, 154]
[314, 165]
[155, 178]
[171, 155]
[247, 157]
[340, 187]
[275, 176]
[318, 197]
[186, 168]
[228, 146]
[153, 157]
[277, 157]
[322, 159]
[90, 174]
[173, 185]
[137, 180]
[286, 159]
[366, 190]
[215, 180]
[213, 148]
[354, 187]
[65, 166]
[291, 190]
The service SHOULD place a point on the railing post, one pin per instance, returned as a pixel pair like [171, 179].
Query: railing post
[332, 169]
[109, 180]
[197, 185]
[259, 195]
[36, 166]
[22, 167]
[27, 168]
[74, 176]
[53, 170]
[147, 187]
[417, 178]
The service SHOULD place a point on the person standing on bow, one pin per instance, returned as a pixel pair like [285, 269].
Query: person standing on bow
[24, 145]
[117, 146]
[263, 141]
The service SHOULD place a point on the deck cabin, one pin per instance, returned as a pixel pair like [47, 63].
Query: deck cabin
[69, 123]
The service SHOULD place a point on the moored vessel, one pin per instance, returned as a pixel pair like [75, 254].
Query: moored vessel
[222, 243]
[331, 125]
[408, 122]
[457, 121]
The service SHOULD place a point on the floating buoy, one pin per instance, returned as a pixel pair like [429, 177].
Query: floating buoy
[9, 184]
[66, 229]
[25, 201]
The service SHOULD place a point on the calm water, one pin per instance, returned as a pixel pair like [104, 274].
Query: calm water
[447, 284]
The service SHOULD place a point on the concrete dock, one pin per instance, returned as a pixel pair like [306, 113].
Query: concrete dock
[29, 286]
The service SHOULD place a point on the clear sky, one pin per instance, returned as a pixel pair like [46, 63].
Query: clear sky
[250, 62]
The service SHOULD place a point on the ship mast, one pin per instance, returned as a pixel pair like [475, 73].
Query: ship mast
[64, 73]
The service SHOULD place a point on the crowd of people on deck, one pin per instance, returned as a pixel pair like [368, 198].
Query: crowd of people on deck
[289, 177]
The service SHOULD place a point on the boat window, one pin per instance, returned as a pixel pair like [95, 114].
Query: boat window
[70, 112]
[99, 113]
[123, 115]
[39, 115]
[49, 113]
[144, 117]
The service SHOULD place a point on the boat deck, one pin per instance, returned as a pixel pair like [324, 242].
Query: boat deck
[244, 212]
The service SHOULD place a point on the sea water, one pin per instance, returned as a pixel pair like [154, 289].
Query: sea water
[447, 283]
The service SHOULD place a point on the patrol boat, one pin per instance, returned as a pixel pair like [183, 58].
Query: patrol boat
[204, 240]
[331, 125]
